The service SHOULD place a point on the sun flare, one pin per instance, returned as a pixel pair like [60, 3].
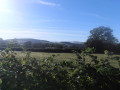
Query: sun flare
[5, 5]
[6, 11]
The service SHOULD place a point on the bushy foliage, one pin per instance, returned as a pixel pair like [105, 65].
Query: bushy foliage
[28, 73]
[102, 38]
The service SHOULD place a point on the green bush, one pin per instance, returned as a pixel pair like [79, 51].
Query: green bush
[28, 73]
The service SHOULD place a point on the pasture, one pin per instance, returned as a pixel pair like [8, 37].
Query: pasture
[69, 57]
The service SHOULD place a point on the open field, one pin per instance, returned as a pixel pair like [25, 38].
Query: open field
[69, 56]
[59, 56]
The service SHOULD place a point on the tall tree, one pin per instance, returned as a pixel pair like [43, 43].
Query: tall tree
[100, 38]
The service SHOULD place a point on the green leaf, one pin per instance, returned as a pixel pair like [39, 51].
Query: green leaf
[0, 81]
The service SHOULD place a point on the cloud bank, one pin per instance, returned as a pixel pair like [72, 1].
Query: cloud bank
[43, 34]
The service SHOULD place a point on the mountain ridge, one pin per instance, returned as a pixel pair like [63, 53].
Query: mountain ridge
[23, 40]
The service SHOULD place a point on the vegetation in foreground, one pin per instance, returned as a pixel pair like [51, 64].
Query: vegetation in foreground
[28, 73]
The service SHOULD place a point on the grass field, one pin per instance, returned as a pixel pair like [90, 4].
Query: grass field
[59, 56]
[69, 56]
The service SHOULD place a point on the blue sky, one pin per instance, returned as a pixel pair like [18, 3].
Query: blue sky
[57, 20]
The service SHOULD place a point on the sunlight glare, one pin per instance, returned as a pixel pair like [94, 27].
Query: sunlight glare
[5, 5]
[6, 12]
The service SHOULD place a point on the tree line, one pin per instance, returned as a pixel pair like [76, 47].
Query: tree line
[41, 46]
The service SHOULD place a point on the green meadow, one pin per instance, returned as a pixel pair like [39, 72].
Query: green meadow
[69, 57]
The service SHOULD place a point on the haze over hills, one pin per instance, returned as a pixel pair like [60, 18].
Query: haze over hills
[36, 43]
[40, 45]
[23, 40]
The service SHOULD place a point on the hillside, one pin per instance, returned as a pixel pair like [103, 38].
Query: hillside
[22, 41]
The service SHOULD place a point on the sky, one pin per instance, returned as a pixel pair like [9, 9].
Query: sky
[57, 20]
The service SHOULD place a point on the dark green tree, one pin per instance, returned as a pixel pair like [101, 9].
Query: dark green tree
[28, 44]
[101, 38]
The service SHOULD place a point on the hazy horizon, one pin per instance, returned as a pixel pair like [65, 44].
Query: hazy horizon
[41, 39]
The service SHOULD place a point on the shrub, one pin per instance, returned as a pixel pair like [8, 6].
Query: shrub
[28, 73]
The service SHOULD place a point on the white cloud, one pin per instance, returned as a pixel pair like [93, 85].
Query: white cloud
[41, 34]
[48, 3]
[30, 33]
[96, 15]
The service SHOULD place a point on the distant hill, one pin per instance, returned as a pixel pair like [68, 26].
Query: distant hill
[71, 43]
[45, 43]
[41, 45]
[22, 41]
